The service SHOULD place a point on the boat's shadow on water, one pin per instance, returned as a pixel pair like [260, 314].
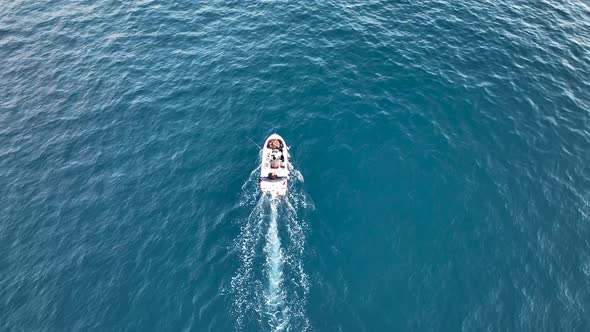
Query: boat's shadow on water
[270, 288]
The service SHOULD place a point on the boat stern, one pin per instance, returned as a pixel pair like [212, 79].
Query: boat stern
[277, 187]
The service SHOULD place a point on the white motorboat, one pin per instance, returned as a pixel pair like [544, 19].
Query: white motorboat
[275, 166]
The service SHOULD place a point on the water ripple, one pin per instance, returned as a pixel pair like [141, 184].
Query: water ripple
[445, 145]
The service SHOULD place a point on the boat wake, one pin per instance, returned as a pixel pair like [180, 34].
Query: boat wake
[270, 287]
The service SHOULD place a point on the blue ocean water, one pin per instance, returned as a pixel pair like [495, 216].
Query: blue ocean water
[441, 151]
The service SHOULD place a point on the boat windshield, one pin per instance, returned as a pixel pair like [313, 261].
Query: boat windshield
[273, 177]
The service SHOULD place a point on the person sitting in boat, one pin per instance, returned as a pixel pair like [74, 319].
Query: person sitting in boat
[275, 144]
[275, 163]
[277, 154]
[273, 176]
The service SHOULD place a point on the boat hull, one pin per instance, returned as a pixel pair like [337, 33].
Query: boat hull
[274, 167]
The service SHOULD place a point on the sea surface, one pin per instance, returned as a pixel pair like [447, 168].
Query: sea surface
[441, 154]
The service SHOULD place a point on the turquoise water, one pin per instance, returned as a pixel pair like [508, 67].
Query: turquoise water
[441, 150]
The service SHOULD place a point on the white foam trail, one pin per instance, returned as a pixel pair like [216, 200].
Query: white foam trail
[275, 294]
[250, 188]
[244, 283]
[296, 229]
[297, 175]
[271, 286]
